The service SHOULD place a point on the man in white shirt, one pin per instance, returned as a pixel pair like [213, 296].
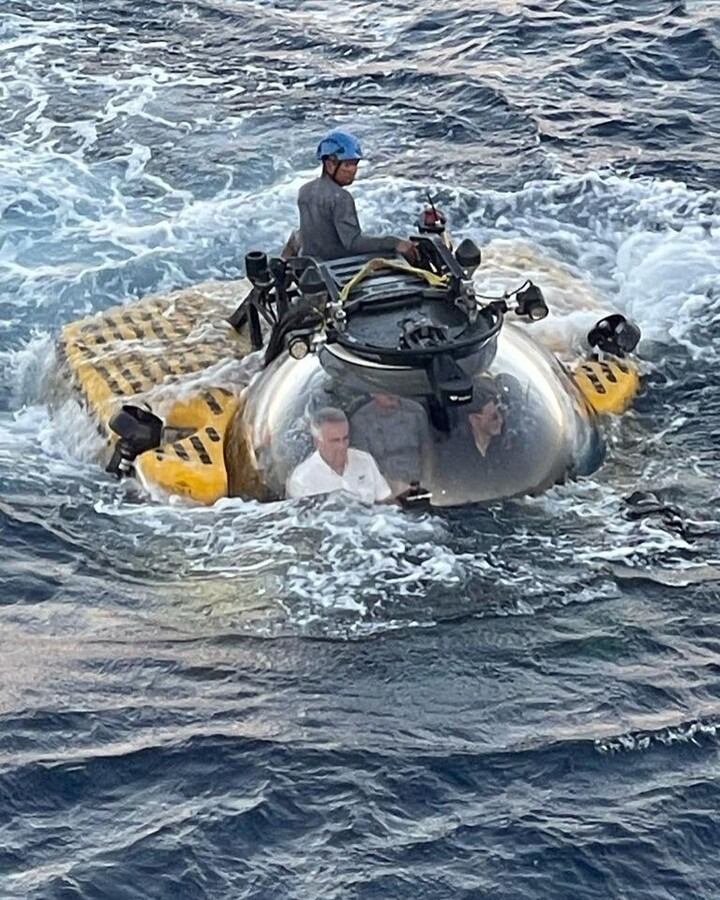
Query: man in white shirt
[335, 466]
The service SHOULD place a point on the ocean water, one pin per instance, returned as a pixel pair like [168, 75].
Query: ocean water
[319, 700]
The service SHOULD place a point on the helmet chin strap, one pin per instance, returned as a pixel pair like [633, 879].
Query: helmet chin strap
[334, 171]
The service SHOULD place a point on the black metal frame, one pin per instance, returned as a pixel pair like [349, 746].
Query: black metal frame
[276, 286]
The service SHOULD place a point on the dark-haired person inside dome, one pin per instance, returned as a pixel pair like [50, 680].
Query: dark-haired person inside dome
[394, 431]
[329, 226]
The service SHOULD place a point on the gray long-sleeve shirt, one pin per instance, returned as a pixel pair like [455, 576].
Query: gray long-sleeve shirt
[329, 226]
[398, 439]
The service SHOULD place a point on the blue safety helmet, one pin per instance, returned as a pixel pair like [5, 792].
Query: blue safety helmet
[341, 144]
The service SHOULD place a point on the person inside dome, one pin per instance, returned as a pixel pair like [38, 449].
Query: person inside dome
[478, 450]
[394, 430]
[335, 466]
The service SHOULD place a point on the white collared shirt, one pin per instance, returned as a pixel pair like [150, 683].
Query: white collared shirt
[361, 478]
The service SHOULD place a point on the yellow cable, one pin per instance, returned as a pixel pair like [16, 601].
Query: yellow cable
[374, 264]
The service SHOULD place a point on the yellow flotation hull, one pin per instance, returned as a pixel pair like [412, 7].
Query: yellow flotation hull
[609, 385]
[155, 353]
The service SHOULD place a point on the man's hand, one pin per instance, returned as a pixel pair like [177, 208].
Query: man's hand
[408, 250]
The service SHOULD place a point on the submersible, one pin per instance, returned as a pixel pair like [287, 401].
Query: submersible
[335, 334]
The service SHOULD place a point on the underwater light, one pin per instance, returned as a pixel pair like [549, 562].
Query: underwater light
[531, 303]
[468, 256]
[138, 430]
[256, 269]
[298, 345]
[615, 335]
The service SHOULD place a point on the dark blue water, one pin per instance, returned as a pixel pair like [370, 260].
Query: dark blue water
[310, 700]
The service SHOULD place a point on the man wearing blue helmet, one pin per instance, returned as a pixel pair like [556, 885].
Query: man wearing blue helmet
[329, 226]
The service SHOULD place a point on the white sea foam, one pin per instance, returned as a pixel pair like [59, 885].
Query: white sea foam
[696, 731]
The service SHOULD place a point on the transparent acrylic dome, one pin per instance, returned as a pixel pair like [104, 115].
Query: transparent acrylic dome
[527, 428]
